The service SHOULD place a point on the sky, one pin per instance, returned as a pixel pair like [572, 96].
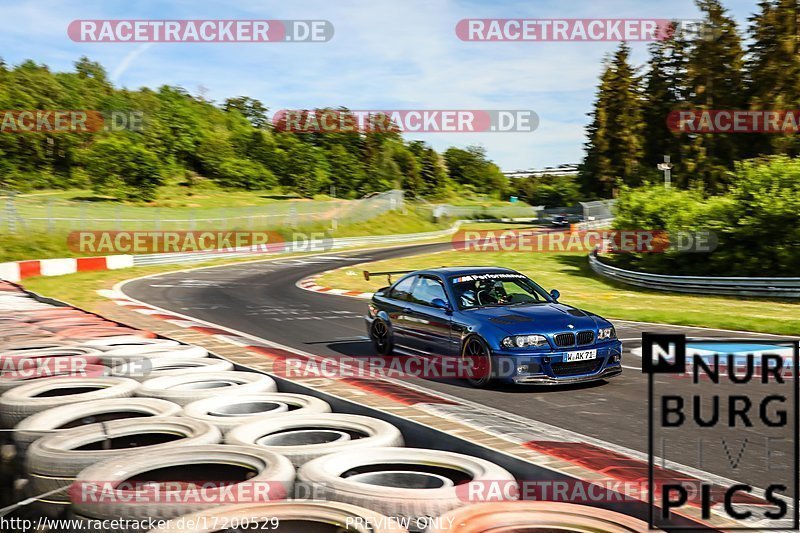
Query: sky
[385, 54]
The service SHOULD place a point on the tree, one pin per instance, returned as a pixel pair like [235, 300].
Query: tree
[121, 168]
[250, 108]
[432, 169]
[614, 146]
[664, 92]
[91, 70]
[754, 222]
[409, 169]
[309, 173]
[346, 173]
[773, 70]
[549, 191]
[714, 81]
[470, 167]
[178, 123]
[383, 173]
[182, 135]
[244, 174]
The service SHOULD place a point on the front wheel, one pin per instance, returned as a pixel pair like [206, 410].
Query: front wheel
[478, 356]
[381, 337]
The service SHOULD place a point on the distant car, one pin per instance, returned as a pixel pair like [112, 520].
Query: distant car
[508, 327]
[560, 221]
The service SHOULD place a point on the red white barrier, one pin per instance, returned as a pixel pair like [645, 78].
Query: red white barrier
[16, 271]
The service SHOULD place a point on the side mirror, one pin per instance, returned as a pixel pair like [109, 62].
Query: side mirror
[440, 304]
[554, 294]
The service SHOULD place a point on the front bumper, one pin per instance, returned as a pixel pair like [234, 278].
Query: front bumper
[549, 368]
[542, 379]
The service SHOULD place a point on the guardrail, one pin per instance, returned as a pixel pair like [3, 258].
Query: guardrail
[731, 286]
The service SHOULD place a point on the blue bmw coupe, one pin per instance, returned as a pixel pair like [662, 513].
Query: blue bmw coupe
[508, 327]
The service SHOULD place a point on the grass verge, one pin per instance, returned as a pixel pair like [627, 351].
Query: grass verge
[80, 289]
[579, 286]
[45, 245]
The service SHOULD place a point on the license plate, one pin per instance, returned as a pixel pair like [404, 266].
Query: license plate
[583, 355]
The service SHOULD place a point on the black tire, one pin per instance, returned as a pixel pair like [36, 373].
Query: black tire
[478, 352]
[381, 336]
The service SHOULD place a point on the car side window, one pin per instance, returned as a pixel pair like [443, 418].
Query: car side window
[402, 290]
[427, 290]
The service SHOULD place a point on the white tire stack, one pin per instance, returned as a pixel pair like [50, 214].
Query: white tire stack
[305, 437]
[25, 400]
[227, 412]
[402, 482]
[169, 366]
[53, 462]
[144, 352]
[25, 363]
[187, 388]
[184, 488]
[62, 418]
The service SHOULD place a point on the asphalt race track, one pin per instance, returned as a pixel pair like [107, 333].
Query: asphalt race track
[260, 298]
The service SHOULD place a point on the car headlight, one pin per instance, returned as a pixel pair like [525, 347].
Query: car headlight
[524, 341]
[606, 333]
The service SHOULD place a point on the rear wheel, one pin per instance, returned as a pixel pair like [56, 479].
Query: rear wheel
[381, 337]
[478, 357]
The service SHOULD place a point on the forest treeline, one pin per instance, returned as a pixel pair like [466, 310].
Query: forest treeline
[181, 138]
[717, 68]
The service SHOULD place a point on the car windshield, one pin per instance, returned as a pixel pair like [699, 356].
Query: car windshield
[496, 289]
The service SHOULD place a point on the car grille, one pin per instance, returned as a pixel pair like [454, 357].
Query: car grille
[585, 337]
[574, 369]
[564, 339]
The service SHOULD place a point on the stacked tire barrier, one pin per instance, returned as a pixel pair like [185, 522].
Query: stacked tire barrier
[113, 423]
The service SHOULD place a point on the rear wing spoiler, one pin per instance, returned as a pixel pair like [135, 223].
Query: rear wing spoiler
[388, 274]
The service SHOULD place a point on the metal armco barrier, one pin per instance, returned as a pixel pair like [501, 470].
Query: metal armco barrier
[764, 287]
